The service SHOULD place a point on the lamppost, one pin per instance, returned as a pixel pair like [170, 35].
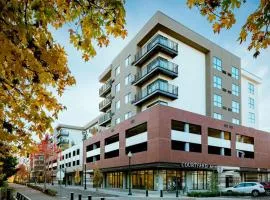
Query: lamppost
[129, 172]
[65, 177]
[85, 176]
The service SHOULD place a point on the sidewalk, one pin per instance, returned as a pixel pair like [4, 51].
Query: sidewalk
[30, 193]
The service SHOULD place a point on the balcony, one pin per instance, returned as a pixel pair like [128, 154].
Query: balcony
[105, 119]
[62, 132]
[157, 88]
[105, 104]
[105, 89]
[158, 44]
[159, 65]
[62, 141]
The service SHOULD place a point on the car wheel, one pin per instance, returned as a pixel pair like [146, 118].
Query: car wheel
[255, 193]
[229, 191]
[267, 192]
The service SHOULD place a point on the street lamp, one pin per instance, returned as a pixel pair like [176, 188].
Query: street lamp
[85, 176]
[129, 172]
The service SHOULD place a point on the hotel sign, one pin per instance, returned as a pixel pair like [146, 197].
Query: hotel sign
[197, 165]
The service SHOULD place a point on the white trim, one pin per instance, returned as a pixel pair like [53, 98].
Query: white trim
[111, 147]
[93, 152]
[244, 146]
[218, 142]
[186, 137]
[136, 139]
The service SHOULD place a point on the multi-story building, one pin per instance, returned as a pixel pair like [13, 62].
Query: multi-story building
[167, 63]
[197, 127]
[37, 167]
[66, 136]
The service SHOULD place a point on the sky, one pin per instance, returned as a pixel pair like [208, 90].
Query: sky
[82, 99]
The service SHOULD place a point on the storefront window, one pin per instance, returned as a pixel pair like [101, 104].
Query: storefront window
[115, 180]
[200, 180]
[143, 179]
[174, 180]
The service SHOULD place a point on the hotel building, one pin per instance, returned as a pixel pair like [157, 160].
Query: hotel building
[183, 107]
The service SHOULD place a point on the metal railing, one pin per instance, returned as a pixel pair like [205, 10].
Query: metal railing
[105, 102]
[158, 85]
[156, 63]
[105, 117]
[159, 39]
[105, 87]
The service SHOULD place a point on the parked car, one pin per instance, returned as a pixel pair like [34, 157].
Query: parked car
[266, 187]
[253, 188]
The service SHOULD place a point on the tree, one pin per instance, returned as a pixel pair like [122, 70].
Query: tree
[7, 163]
[47, 149]
[221, 13]
[22, 174]
[98, 177]
[77, 177]
[33, 67]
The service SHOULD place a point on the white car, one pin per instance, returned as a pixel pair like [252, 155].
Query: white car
[253, 188]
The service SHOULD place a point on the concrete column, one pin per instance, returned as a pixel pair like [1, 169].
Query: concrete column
[186, 146]
[222, 151]
[222, 135]
[186, 128]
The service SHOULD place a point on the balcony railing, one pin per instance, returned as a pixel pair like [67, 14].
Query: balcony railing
[62, 140]
[63, 132]
[158, 87]
[158, 43]
[105, 118]
[158, 65]
[103, 105]
[105, 88]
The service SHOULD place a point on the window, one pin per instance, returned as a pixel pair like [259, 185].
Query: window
[128, 61]
[217, 64]
[78, 162]
[251, 103]
[251, 88]
[235, 90]
[251, 118]
[78, 151]
[217, 116]
[235, 107]
[128, 115]
[128, 79]
[235, 121]
[217, 101]
[117, 105]
[217, 82]
[73, 163]
[117, 87]
[74, 153]
[117, 71]
[128, 98]
[235, 73]
[118, 120]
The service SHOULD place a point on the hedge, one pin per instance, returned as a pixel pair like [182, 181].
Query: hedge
[215, 194]
[49, 192]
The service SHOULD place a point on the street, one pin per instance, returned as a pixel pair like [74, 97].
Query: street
[64, 193]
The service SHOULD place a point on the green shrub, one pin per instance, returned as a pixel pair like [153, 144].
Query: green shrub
[215, 194]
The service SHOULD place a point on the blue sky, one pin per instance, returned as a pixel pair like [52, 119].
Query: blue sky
[82, 100]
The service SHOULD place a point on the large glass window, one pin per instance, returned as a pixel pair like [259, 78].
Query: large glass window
[117, 120]
[117, 71]
[128, 61]
[251, 118]
[217, 100]
[128, 79]
[117, 87]
[251, 103]
[235, 121]
[217, 82]
[143, 179]
[235, 107]
[235, 90]
[235, 73]
[217, 116]
[251, 88]
[128, 98]
[128, 115]
[201, 180]
[117, 105]
[114, 180]
[217, 63]
[174, 180]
